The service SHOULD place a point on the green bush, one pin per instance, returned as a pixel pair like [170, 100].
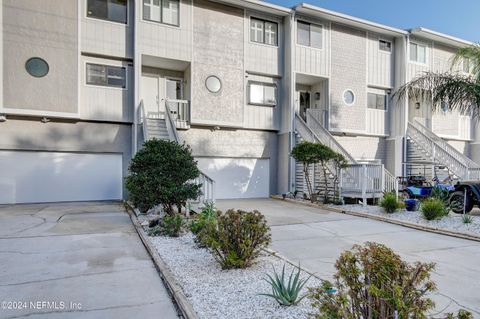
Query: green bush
[390, 203]
[286, 293]
[237, 238]
[160, 173]
[373, 282]
[462, 314]
[433, 208]
[170, 225]
[203, 222]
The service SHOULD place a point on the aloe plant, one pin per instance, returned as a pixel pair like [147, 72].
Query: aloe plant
[286, 293]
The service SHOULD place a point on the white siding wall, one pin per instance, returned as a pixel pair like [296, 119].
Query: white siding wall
[380, 63]
[263, 58]
[106, 37]
[312, 60]
[349, 47]
[157, 39]
[106, 103]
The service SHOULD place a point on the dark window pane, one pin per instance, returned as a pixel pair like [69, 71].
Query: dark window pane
[116, 76]
[117, 10]
[371, 101]
[303, 33]
[113, 10]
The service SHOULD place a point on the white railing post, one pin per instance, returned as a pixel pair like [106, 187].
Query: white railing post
[383, 175]
[364, 184]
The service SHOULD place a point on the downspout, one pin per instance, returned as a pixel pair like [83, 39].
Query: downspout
[291, 166]
[136, 87]
[405, 105]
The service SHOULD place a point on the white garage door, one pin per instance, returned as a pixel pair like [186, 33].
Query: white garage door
[35, 177]
[238, 178]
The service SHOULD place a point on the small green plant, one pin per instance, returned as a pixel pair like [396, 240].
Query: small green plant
[208, 214]
[467, 218]
[374, 282]
[170, 225]
[390, 203]
[237, 238]
[462, 314]
[433, 208]
[286, 293]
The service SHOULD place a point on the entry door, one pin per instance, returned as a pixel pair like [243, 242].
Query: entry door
[418, 111]
[151, 96]
[304, 100]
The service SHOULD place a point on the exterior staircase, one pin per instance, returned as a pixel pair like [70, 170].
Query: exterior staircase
[357, 180]
[424, 145]
[163, 127]
[156, 128]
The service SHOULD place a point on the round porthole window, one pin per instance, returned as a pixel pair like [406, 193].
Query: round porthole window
[213, 84]
[348, 97]
[37, 67]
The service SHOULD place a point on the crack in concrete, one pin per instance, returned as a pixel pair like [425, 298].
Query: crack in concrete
[129, 232]
[75, 276]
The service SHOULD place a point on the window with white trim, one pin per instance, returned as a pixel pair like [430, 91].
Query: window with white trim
[377, 101]
[309, 34]
[162, 11]
[263, 31]
[262, 93]
[384, 45]
[106, 75]
[418, 53]
[112, 10]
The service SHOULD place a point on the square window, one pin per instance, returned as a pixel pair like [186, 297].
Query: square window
[385, 45]
[263, 31]
[106, 75]
[262, 93]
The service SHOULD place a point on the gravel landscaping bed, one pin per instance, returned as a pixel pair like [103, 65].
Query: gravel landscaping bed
[452, 222]
[217, 293]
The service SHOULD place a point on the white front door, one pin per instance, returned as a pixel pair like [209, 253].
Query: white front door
[150, 93]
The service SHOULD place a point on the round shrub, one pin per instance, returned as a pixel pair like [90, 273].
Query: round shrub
[169, 225]
[160, 174]
[374, 282]
[390, 203]
[237, 238]
[433, 208]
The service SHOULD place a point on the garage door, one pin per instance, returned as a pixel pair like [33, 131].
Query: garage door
[35, 177]
[238, 178]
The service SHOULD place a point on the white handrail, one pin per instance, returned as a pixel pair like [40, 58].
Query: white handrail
[171, 127]
[444, 144]
[143, 121]
[325, 137]
[440, 150]
[208, 184]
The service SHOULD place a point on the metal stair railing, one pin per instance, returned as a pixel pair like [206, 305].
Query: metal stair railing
[440, 150]
[326, 138]
[208, 184]
[388, 181]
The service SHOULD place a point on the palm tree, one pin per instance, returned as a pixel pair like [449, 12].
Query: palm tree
[460, 91]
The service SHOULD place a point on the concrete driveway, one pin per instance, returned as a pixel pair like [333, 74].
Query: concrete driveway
[84, 255]
[316, 237]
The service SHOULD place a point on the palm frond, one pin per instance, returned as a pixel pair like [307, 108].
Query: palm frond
[472, 54]
[461, 92]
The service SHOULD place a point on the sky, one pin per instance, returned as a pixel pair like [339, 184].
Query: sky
[460, 18]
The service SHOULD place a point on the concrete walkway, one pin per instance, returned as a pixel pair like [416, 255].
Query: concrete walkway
[86, 255]
[316, 237]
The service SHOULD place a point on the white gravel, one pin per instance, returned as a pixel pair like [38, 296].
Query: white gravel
[217, 293]
[452, 222]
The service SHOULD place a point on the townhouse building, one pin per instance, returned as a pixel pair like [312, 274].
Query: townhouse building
[85, 83]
